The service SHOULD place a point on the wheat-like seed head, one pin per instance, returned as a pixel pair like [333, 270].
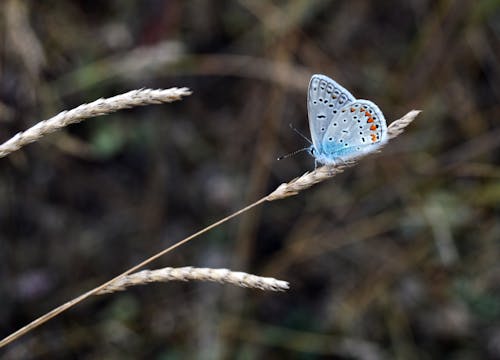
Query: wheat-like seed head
[223, 276]
[323, 173]
[99, 107]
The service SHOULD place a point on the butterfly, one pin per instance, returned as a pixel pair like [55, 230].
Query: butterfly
[342, 127]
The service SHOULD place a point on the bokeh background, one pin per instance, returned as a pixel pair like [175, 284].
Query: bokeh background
[397, 258]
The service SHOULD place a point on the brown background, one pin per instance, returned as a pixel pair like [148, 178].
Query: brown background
[395, 258]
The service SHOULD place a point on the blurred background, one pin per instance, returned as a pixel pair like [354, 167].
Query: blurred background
[397, 258]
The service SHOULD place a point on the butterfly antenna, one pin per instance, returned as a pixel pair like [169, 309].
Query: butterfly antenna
[300, 134]
[292, 153]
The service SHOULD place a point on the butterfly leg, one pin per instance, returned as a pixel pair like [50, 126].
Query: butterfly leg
[335, 163]
[332, 167]
[341, 161]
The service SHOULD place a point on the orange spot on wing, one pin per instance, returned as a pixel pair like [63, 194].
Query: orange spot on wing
[353, 109]
[362, 109]
[374, 137]
[368, 114]
[370, 120]
[373, 127]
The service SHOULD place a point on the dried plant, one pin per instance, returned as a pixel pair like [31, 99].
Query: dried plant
[325, 172]
[284, 190]
[223, 276]
[99, 107]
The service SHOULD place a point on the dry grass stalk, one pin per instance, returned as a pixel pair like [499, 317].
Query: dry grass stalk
[325, 172]
[284, 190]
[223, 276]
[99, 107]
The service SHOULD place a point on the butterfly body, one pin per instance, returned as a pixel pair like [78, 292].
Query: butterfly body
[342, 127]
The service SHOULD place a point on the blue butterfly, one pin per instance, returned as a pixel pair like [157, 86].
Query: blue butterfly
[342, 127]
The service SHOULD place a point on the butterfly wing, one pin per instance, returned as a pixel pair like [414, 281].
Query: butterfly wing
[325, 98]
[359, 128]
